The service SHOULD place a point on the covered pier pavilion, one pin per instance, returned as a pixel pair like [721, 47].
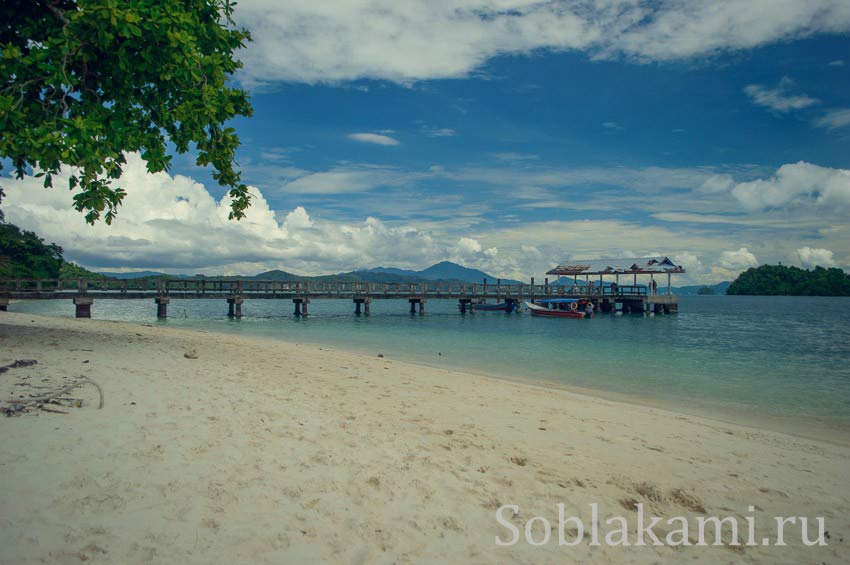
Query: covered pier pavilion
[623, 289]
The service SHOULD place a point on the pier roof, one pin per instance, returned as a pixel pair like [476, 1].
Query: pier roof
[632, 265]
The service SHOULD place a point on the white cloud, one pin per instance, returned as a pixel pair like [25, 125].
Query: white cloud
[836, 63]
[173, 223]
[717, 183]
[376, 138]
[779, 99]
[469, 251]
[675, 29]
[398, 40]
[814, 257]
[438, 132]
[410, 40]
[297, 219]
[797, 184]
[348, 179]
[692, 264]
[738, 260]
[612, 126]
[833, 119]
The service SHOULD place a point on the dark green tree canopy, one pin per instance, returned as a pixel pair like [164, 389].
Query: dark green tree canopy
[84, 81]
[782, 280]
[23, 254]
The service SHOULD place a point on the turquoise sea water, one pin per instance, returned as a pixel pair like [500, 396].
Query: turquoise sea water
[781, 361]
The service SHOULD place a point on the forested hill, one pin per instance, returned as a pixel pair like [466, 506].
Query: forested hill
[25, 255]
[781, 280]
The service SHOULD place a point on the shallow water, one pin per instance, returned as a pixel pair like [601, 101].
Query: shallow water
[781, 360]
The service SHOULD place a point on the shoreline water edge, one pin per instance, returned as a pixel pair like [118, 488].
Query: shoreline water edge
[732, 359]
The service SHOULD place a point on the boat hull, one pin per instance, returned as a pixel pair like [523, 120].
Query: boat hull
[490, 307]
[558, 314]
[546, 313]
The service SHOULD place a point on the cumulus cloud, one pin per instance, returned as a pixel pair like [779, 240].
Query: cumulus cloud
[376, 138]
[798, 183]
[814, 257]
[470, 251]
[738, 260]
[833, 119]
[173, 223]
[779, 99]
[717, 183]
[410, 40]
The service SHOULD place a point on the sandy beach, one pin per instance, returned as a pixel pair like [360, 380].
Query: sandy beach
[211, 448]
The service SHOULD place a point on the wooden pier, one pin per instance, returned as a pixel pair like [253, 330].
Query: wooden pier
[84, 292]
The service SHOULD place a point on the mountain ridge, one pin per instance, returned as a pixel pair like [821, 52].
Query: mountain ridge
[443, 271]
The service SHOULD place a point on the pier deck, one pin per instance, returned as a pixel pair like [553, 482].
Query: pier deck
[235, 291]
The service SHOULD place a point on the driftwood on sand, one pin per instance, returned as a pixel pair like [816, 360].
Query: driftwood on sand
[20, 405]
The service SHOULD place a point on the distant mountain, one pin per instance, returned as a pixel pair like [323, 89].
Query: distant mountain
[449, 271]
[135, 274]
[391, 271]
[72, 271]
[445, 271]
[378, 275]
[277, 275]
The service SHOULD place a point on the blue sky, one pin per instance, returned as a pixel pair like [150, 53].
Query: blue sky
[510, 135]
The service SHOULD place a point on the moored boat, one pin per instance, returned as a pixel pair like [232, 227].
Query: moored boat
[508, 305]
[503, 306]
[559, 308]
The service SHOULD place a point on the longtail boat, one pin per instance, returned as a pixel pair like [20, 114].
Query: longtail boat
[559, 308]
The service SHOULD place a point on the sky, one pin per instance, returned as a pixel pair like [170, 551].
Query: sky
[506, 135]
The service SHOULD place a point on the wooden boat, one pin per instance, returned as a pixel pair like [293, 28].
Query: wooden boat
[501, 306]
[558, 308]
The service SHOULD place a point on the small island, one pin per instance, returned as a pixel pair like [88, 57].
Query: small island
[776, 280]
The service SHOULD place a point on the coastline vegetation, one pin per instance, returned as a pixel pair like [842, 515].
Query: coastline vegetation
[781, 280]
[23, 254]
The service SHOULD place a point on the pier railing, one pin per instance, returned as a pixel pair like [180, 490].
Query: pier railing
[212, 288]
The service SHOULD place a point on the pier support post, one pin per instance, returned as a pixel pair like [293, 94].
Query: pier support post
[162, 306]
[234, 307]
[414, 302]
[83, 306]
[4, 304]
[300, 306]
[463, 305]
[363, 303]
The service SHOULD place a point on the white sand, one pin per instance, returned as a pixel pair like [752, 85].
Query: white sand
[261, 451]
